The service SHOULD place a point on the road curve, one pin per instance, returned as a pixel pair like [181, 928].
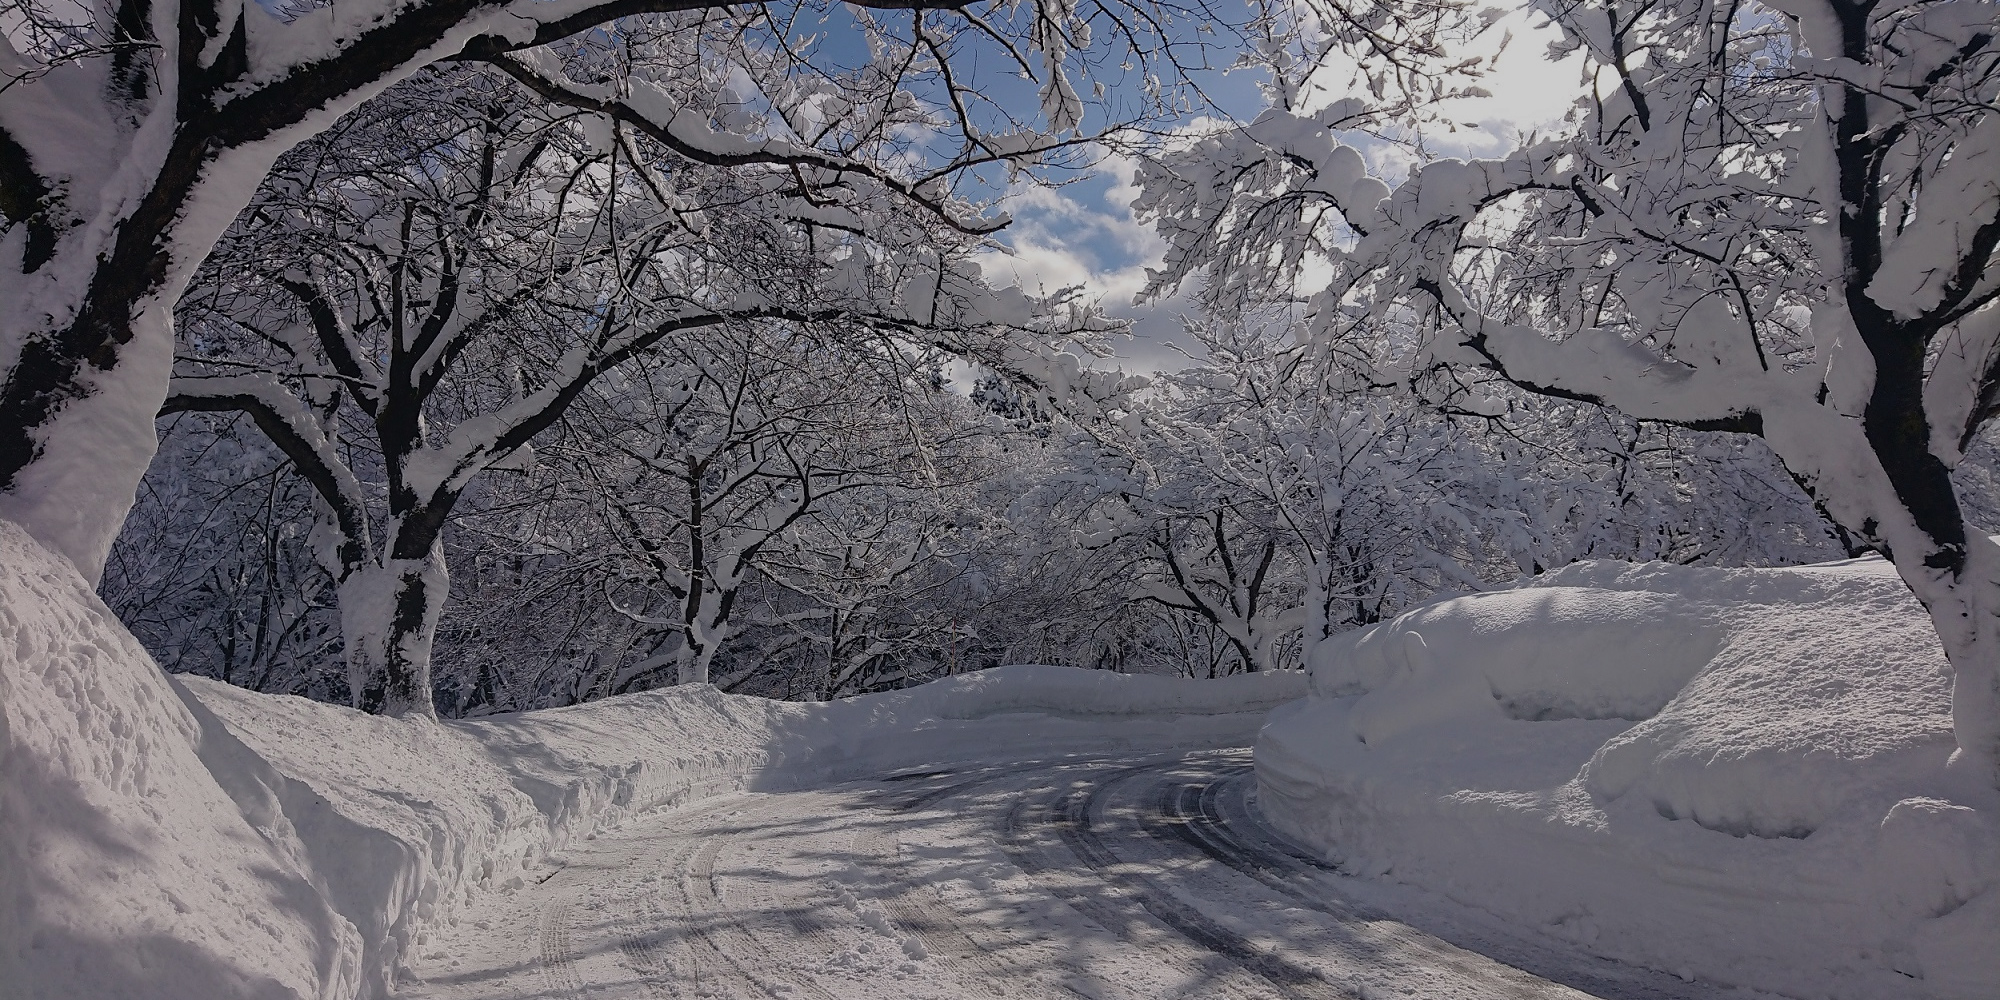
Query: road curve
[1086, 875]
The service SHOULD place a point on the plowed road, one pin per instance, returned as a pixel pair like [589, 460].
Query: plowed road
[1082, 875]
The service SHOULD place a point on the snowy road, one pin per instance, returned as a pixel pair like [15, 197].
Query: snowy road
[1082, 875]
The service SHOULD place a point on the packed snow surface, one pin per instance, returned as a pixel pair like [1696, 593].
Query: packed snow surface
[1737, 775]
[1050, 873]
[423, 817]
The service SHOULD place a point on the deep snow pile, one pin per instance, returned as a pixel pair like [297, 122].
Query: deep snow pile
[1735, 775]
[126, 868]
[180, 839]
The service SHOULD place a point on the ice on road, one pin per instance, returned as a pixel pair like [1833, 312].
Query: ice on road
[1088, 875]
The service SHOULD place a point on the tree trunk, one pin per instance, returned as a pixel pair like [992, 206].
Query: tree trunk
[690, 665]
[1965, 608]
[80, 434]
[697, 651]
[95, 326]
[389, 615]
[1877, 478]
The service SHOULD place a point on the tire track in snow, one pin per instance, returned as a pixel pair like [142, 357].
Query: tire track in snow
[1010, 961]
[1074, 823]
[1185, 812]
[1122, 879]
[917, 910]
[1113, 910]
[1212, 814]
[646, 954]
[722, 932]
[558, 961]
[644, 943]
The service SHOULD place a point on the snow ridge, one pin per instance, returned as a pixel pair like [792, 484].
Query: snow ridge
[143, 850]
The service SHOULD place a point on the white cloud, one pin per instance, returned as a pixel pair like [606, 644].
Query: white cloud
[1527, 90]
[1084, 234]
[1524, 91]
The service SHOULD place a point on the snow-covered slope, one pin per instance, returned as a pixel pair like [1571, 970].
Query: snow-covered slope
[142, 851]
[1737, 775]
[177, 838]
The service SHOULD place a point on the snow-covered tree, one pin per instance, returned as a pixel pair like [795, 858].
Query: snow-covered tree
[430, 285]
[1288, 499]
[874, 614]
[1033, 571]
[1776, 218]
[1596, 484]
[706, 460]
[132, 132]
[214, 573]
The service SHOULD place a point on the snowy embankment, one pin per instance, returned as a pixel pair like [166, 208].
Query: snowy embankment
[1735, 775]
[178, 838]
[422, 817]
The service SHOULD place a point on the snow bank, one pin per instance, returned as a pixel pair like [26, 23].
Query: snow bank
[180, 838]
[1736, 775]
[126, 868]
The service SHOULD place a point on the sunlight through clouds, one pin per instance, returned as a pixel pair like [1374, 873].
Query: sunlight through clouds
[1527, 90]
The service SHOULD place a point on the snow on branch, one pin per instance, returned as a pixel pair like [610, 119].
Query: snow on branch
[290, 425]
[687, 132]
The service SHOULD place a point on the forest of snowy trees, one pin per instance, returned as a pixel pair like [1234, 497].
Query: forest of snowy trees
[461, 324]
[755, 506]
[528, 353]
[1265, 498]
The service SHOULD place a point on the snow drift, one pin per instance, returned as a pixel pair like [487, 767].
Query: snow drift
[143, 852]
[177, 838]
[1737, 775]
